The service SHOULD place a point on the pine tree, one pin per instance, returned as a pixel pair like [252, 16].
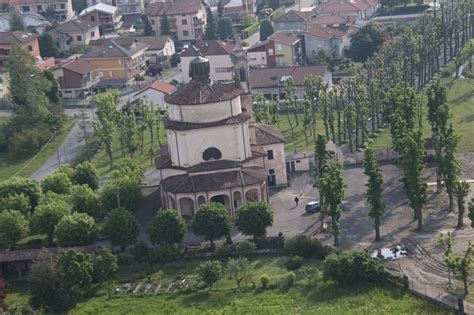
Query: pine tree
[211, 28]
[266, 29]
[16, 22]
[165, 26]
[148, 30]
[374, 189]
[225, 29]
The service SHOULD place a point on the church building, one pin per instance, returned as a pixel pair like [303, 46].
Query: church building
[215, 152]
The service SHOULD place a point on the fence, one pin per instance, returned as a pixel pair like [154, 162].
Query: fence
[435, 295]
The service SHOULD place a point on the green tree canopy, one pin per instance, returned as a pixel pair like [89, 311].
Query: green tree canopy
[165, 26]
[75, 229]
[210, 272]
[121, 228]
[20, 185]
[47, 46]
[84, 200]
[47, 215]
[365, 42]
[13, 227]
[58, 183]
[238, 269]
[104, 264]
[225, 29]
[266, 29]
[16, 22]
[254, 218]
[17, 202]
[167, 227]
[212, 221]
[86, 174]
[148, 30]
[122, 192]
[211, 29]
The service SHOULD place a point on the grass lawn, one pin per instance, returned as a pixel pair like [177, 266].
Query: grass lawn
[298, 142]
[10, 165]
[101, 160]
[18, 293]
[321, 297]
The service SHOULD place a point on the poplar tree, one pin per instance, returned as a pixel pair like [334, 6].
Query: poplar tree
[211, 29]
[374, 189]
[449, 165]
[332, 186]
[104, 122]
[411, 157]
[291, 98]
[313, 85]
[165, 26]
[461, 189]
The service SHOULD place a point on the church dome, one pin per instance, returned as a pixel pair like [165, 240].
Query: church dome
[199, 69]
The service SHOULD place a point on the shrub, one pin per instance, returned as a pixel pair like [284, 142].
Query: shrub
[224, 251]
[305, 246]
[29, 141]
[294, 263]
[139, 77]
[57, 182]
[124, 259]
[352, 267]
[165, 253]
[269, 242]
[210, 272]
[264, 281]
[140, 250]
[290, 278]
[244, 248]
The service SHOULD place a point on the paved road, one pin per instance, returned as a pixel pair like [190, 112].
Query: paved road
[70, 148]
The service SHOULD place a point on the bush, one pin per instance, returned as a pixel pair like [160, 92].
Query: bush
[224, 251]
[290, 278]
[264, 281]
[269, 242]
[294, 263]
[352, 268]
[124, 259]
[29, 141]
[139, 77]
[244, 248]
[165, 253]
[141, 250]
[305, 246]
[175, 59]
[57, 182]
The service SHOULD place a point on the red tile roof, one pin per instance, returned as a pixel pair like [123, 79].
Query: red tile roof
[159, 86]
[79, 66]
[333, 19]
[323, 32]
[285, 37]
[153, 42]
[341, 6]
[294, 16]
[209, 48]
[174, 8]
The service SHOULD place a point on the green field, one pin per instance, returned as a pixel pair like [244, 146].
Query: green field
[321, 297]
[11, 165]
[298, 141]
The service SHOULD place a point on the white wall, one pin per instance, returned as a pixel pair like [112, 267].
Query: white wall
[231, 140]
[257, 59]
[205, 113]
[277, 163]
[221, 61]
[156, 98]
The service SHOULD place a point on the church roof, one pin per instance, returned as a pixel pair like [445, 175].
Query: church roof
[268, 134]
[208, 182]
[233, 120]
[196, 92]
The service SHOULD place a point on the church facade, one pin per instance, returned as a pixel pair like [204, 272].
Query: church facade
[215, 152]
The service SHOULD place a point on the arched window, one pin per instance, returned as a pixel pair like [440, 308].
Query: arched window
[211, 154]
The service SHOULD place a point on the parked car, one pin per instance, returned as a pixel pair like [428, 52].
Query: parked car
[312, 207]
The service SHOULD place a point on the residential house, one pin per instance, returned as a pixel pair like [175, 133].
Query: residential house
[334, 21]
[362, 9]
[63, 10]
[155, 94]
[234, 9]
[292, 20]
[270, 81]
[187, 18]
[217, 52]
[159, 47]
[125, 6]
[76, 78]
[280, 49]
[318, 38]
[34, 22]
[117, 61]
[108, 17]
[75, 32]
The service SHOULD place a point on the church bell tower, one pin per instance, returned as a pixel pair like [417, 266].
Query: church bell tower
[241, 75]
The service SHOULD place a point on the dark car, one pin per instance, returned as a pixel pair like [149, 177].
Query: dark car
[312, 207]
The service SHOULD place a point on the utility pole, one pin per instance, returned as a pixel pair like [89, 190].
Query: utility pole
[84, 125]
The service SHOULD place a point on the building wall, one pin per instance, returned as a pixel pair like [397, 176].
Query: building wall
[288, 26]
[301, 165]
[313, 45]
[205, 113]
[187, 147]
[130, 6]
[85, 37]
[109, 68]
[180, 30]
[156, 98]
[277, 163]
[64, 11]
[31, 45]
[257, 59]
[284, 54]
[221, 67]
